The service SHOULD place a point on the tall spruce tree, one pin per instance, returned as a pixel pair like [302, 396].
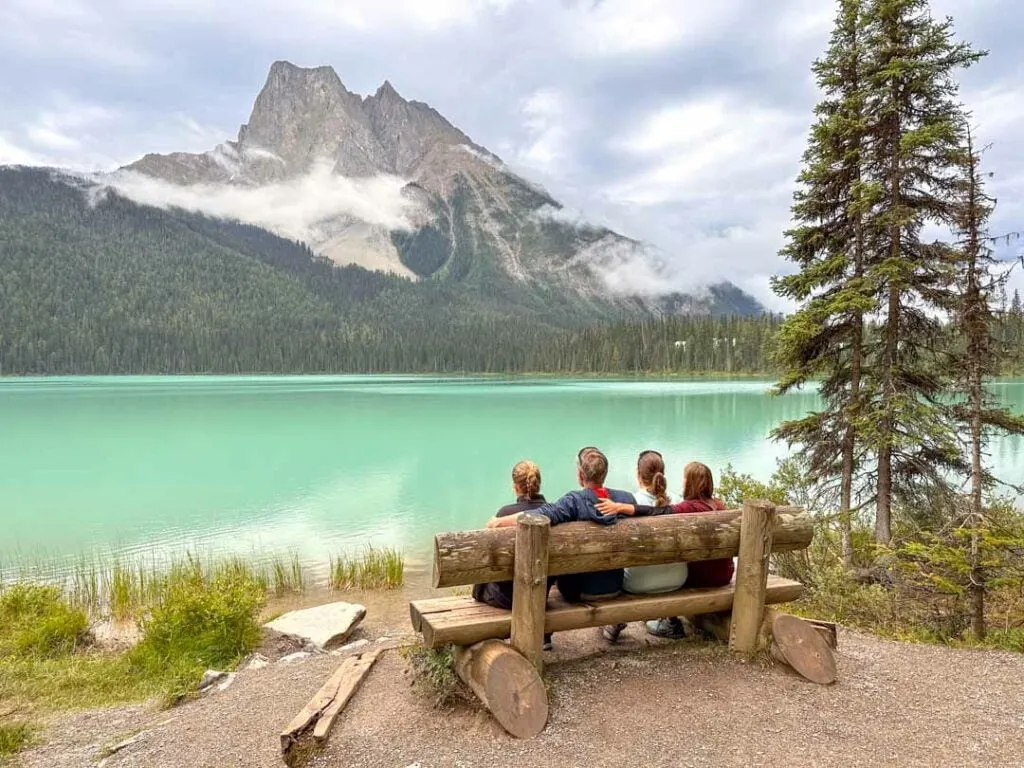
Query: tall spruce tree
[824, 338]
[915, 129]
[980, 277]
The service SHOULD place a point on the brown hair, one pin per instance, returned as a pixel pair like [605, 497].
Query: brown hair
[526, 478]
[593, 465]
[698, 482]
[650, 470]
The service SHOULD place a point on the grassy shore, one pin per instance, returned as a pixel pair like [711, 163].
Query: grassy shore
[193, 614]
[126, 588]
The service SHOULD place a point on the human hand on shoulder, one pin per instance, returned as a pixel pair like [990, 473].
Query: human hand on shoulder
[608, 508]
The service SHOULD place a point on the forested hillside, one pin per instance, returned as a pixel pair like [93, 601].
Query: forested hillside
[93, 286]
[97, 284]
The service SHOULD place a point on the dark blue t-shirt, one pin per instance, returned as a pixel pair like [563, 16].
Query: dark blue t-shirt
[579, 505]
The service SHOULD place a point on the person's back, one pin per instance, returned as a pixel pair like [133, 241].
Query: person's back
[653, 579]
[526, 485]
[706, 573]
[591, 470]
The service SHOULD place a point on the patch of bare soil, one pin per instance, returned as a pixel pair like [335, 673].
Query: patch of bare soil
[673, 704]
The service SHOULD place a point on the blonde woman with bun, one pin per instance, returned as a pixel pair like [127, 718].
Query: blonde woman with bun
[526, 486]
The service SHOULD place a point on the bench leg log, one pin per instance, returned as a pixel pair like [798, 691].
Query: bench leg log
[756, 527]
[507, 684]
[530, 587]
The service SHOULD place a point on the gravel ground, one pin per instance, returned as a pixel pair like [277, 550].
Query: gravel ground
[676, 704]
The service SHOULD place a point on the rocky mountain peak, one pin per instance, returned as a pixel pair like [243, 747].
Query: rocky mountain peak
[387, 92]
[464, 216]
[304, 116]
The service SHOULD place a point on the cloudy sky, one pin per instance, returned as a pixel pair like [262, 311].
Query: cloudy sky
[678, 122]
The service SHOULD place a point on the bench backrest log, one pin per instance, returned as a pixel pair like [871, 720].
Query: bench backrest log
[477, 557]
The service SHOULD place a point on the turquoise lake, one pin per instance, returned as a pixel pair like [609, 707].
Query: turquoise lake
[317, 465]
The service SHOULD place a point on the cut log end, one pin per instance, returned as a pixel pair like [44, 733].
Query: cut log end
[802, 647]
[507, 684]
[517, 696]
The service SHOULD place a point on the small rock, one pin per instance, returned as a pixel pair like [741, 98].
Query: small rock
[113, 635]
[259, 661]
[293, 657]
[325, 626]
[226, 682]
[350, 647]
[210, 677]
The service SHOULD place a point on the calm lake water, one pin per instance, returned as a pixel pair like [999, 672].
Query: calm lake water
[317, 465]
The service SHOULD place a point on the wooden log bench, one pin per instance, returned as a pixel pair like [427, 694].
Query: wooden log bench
[532, 551]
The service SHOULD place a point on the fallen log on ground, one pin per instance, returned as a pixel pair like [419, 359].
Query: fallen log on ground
[324, 707]
[507, 684]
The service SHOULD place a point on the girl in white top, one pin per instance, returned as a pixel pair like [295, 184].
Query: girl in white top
[653, 579]
[650, 579]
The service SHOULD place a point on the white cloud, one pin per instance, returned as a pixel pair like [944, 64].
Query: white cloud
[11, 154]
[297, 209]
[544, 119]
[68, 29]
[65, 128]
[709, 147]
[629, 27]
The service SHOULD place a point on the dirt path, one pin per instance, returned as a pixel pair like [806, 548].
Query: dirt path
[675, 704]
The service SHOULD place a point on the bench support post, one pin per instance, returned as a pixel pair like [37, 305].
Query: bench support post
[530, 587]
[756, 527]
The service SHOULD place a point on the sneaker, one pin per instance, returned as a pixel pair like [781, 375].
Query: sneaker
[670, 628]
[612, 631]
[548, 645]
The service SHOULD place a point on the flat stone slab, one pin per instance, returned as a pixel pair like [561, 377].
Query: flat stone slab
[325, 626]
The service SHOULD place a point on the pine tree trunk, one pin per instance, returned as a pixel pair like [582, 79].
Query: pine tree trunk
[849, 439]
[846, 489]
[977, 333]
[883, 504]
[977, 589]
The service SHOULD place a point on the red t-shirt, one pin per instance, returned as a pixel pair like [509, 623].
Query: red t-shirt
[705, 573]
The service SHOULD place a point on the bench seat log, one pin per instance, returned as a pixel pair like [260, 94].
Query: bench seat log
[464, 621]
[477, 557]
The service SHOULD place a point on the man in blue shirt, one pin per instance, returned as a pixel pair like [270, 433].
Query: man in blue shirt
[591, 471]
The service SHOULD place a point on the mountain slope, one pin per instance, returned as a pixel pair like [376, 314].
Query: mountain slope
[93, 283]
[442, 206]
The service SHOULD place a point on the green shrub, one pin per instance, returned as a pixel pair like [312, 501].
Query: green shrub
[37, 621]
[1006, 639]
[201, 622]
[434, 671]
[734, 488]
[14, 737]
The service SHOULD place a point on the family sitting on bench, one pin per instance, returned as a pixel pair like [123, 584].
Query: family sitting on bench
[595, 503]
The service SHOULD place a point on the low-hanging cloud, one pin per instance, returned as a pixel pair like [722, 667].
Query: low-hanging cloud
[295, 208]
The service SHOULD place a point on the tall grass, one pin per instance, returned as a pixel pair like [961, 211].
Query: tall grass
[374, 568]
[14, 737]
[287, 576]
[126, 588]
